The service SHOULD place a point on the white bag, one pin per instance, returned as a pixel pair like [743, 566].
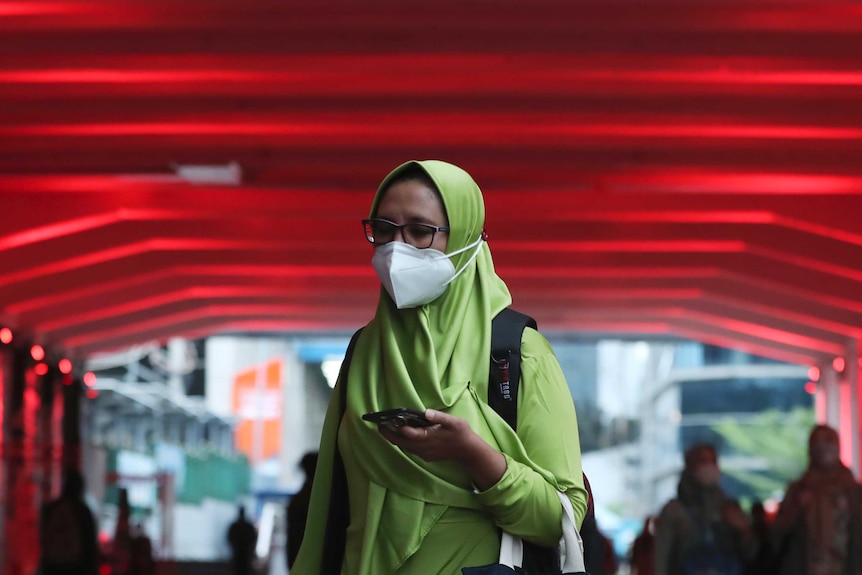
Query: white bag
[571, 547]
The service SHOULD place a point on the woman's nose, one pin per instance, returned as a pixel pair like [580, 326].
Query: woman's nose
[398, 236]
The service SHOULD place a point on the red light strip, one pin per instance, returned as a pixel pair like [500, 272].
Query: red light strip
[766, 333]
[32, 8]
[137, 248]
[473, 129]
[713, 182]
[345, 80]
[103, 76]
[636, 246]
[195, 296]
[211, 316]
[56, 230]
[807, 263]
[784, 313]
[189, 273]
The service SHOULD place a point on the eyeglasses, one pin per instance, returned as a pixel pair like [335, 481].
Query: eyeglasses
[380, 232]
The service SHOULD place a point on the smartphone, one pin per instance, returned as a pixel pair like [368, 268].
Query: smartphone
[398, 417]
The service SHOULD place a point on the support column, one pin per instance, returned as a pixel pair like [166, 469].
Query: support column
[47, 437]
[294, 420]
[851, 378]
[72, 398]
[830, 388]
[22, 498]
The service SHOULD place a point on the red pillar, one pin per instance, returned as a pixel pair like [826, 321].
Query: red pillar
[20, 509]
[852, 375]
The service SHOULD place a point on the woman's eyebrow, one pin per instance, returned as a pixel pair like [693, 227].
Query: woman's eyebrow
[414, 219]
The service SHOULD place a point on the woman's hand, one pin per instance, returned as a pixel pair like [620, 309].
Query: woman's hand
[450, 438]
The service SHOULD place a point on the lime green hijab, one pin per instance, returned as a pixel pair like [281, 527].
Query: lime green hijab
[426, 357]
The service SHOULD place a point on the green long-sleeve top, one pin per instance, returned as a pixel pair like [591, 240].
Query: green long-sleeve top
[450, 537]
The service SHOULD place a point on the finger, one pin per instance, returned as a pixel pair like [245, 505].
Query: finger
[401, 436]
[414, 433]
[390, 433]
[439, 417]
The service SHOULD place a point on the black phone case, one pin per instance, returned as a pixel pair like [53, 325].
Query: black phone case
[398, 417]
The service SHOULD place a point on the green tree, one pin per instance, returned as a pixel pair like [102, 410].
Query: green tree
[779, 439]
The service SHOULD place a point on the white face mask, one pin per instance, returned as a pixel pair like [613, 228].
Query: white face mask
[414, 276]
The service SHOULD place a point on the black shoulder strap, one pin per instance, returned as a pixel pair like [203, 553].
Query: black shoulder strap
[504, 378]
[338, 517]
[507, 327]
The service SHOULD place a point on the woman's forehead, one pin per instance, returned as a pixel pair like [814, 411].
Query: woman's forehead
[701, 455]
[823, 435]
[414, 200]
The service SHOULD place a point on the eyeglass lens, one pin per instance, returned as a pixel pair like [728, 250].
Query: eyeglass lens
[382, 232]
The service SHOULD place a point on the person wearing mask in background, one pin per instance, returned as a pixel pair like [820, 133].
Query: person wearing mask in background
[297, 508]
[818, 530]
[433, 499]
[702, 531]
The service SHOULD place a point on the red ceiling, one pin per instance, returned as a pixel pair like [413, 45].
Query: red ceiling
[676, 168]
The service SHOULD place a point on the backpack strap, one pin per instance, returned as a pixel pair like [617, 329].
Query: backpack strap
[504, 378]
[504, 375]
[338, 517]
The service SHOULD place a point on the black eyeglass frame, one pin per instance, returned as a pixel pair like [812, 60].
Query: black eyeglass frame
[366, 224]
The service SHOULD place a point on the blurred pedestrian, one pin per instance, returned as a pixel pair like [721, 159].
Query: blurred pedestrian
[818, 529]
[67, 532]
[297, 508]
[599, 556]
[764, 562]
[242, 537]
[141, 560]
[701, 531]
[643, 549]
[121, 548]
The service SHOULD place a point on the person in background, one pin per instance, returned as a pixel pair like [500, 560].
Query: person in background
[297, 508]
[599, 556]
[818, 529]
[610, 565]
[242, 538]
[141, 560]
[701, 530]
[121, 546]
[643, 549]
[763, 564]
[67, 532]
[433, 499]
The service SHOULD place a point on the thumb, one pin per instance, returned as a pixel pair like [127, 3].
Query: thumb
[435, 416]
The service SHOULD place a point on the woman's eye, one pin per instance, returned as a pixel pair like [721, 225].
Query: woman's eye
[383, 229]
[419, 231]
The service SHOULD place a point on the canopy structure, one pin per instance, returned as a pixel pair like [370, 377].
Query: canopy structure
[675, 168]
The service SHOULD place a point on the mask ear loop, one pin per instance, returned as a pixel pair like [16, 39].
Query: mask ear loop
[478, 243]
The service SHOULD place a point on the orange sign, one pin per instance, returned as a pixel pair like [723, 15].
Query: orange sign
[257, 401]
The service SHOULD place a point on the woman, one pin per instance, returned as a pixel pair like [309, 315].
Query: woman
[819, 525]
[701, 530]
[433, 499]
